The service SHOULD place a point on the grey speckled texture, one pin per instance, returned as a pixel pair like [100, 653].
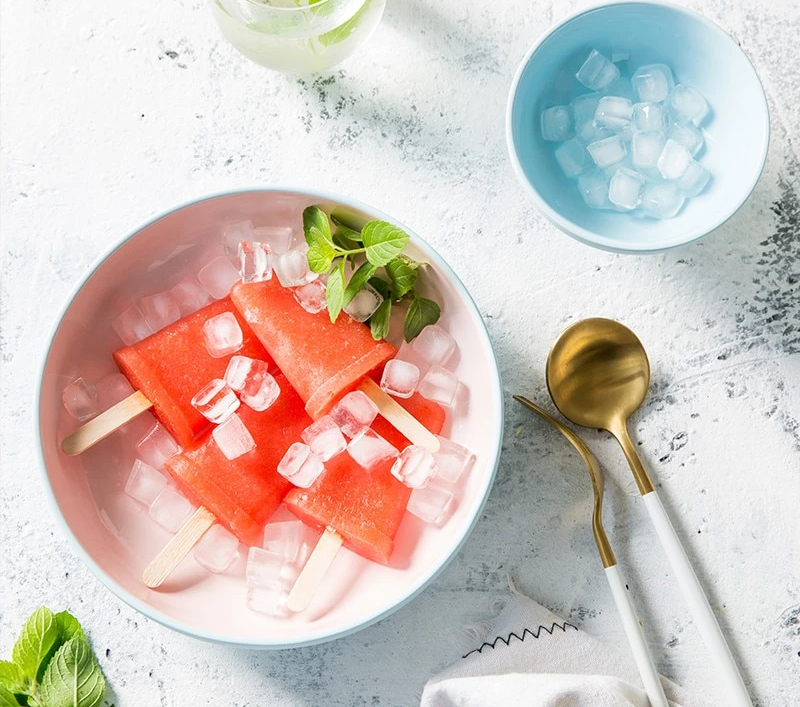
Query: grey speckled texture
[113, 111]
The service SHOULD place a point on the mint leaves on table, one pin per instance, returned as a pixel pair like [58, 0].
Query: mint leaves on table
[51, 665]
[372, 255]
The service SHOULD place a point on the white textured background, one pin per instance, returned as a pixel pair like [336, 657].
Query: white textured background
[114, 111]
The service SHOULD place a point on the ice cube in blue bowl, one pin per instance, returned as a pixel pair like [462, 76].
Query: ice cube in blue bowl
[702, 56]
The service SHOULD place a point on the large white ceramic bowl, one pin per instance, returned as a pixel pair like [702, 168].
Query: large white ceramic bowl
[116, 537]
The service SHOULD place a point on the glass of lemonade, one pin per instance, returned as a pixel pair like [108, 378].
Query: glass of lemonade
[297, 36]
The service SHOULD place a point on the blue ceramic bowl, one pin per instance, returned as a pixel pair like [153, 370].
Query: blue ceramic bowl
[701, 55]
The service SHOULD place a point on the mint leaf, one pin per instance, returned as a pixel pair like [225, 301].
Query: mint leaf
[383, 242]
[7, 698]
[320, 256]
[344, 30]
[357, 281]
[379, 323]
[12, 678]
[421, 313]
[335, 291]
[35, 642]
[343, 217]
[383, 287]
[73, 678]
[68, 626]
[316, 225]
[403, 273]
[342, 240]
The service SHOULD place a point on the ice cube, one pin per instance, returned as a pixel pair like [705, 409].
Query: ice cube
[625, 189]
[300, 465]
[80, 400]
[650, 117]
[235, 233]
[292, 268]
[190, 296]
[673, 160]
[439, 385]
[131, 326]
[613, 113]
[218, 277]
[435, 345]
[170, 510]
[265, 568]
[652, 83]
[621, 88]
[399, 378]
[311, 297]
[217, 549]
[287, 539]
[233, 438]
[593, 187]
[222, 335]
[556, 123]
[662, 199]
[646, 148]
[144, 482]
[452, 461]
[269, 599]
[572, 158]
[583, 108]
[364, 304]
[354, 412]
[255, 261]
[431, 504]
[112, 389]
[278, 238]
[692, 181]
[687, 105]
[415, 467]
[607, 152]
[597, 72]
[157, 446]
[324, 438]
[408, 354]
[687, 135]
[216, 401]
[368, 448]
[260, 392]
[160, 310]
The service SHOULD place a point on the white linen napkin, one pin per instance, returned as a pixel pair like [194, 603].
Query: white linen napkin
[529, 656]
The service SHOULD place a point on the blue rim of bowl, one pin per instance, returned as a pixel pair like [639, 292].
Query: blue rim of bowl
[582, 234]
[221, 638]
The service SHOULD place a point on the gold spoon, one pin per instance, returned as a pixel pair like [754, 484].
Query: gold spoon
[632, 625]
[598, 375]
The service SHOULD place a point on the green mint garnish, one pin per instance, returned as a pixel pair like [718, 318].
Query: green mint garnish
[421, 313]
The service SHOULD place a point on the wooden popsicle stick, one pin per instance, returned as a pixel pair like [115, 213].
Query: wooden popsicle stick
[400, 418]
[90, 433]
[178, 547]
[310, 579]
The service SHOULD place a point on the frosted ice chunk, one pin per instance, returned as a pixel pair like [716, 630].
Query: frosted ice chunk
[144, 482]
[233, 438]
[131, 326]
[687, 105]
[218, 277]
[300, 465]
[354, 412]
[607, 152]
[662, 199]
[439, 385]
[692, 181]
[364, 304]
[235, 233]
[673, 160]
[452, 461]
[217, 549]
[324, 438]
[270, 599]
[431, 504]
[435, 345]
[613, 113]
[597, 72]
[399, 378]
[311, 297]
[287, 539]
[222, 335]
[646, 148]
[556, 123]
[652, 83]
[255, 262]
[170, 510]
[112, 389]
[190, 296]
[407, 354]
[292, 268]
[687, 135]
[593, 187]
[262, 393]
[625, 189]
[160, 310]
[368, 448]
[80, 399]
[621, 88]
[216, 401]
[278, 238]
[572, 158]
[156, 446]
[415, 467]
[650, 117]
[265, 568]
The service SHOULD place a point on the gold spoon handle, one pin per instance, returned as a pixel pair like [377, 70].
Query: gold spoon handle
[620, 430]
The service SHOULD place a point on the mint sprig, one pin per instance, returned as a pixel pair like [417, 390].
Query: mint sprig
[368, 252]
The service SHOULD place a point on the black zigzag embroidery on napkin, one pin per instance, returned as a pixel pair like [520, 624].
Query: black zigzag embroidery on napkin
[525, 633]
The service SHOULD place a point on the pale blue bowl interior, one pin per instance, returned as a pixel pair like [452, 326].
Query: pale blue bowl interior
[701, 55]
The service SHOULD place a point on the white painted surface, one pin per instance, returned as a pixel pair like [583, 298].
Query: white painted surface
[113, 112]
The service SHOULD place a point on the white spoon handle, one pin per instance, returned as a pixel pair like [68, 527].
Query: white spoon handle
[698, 603]
[633, 630]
